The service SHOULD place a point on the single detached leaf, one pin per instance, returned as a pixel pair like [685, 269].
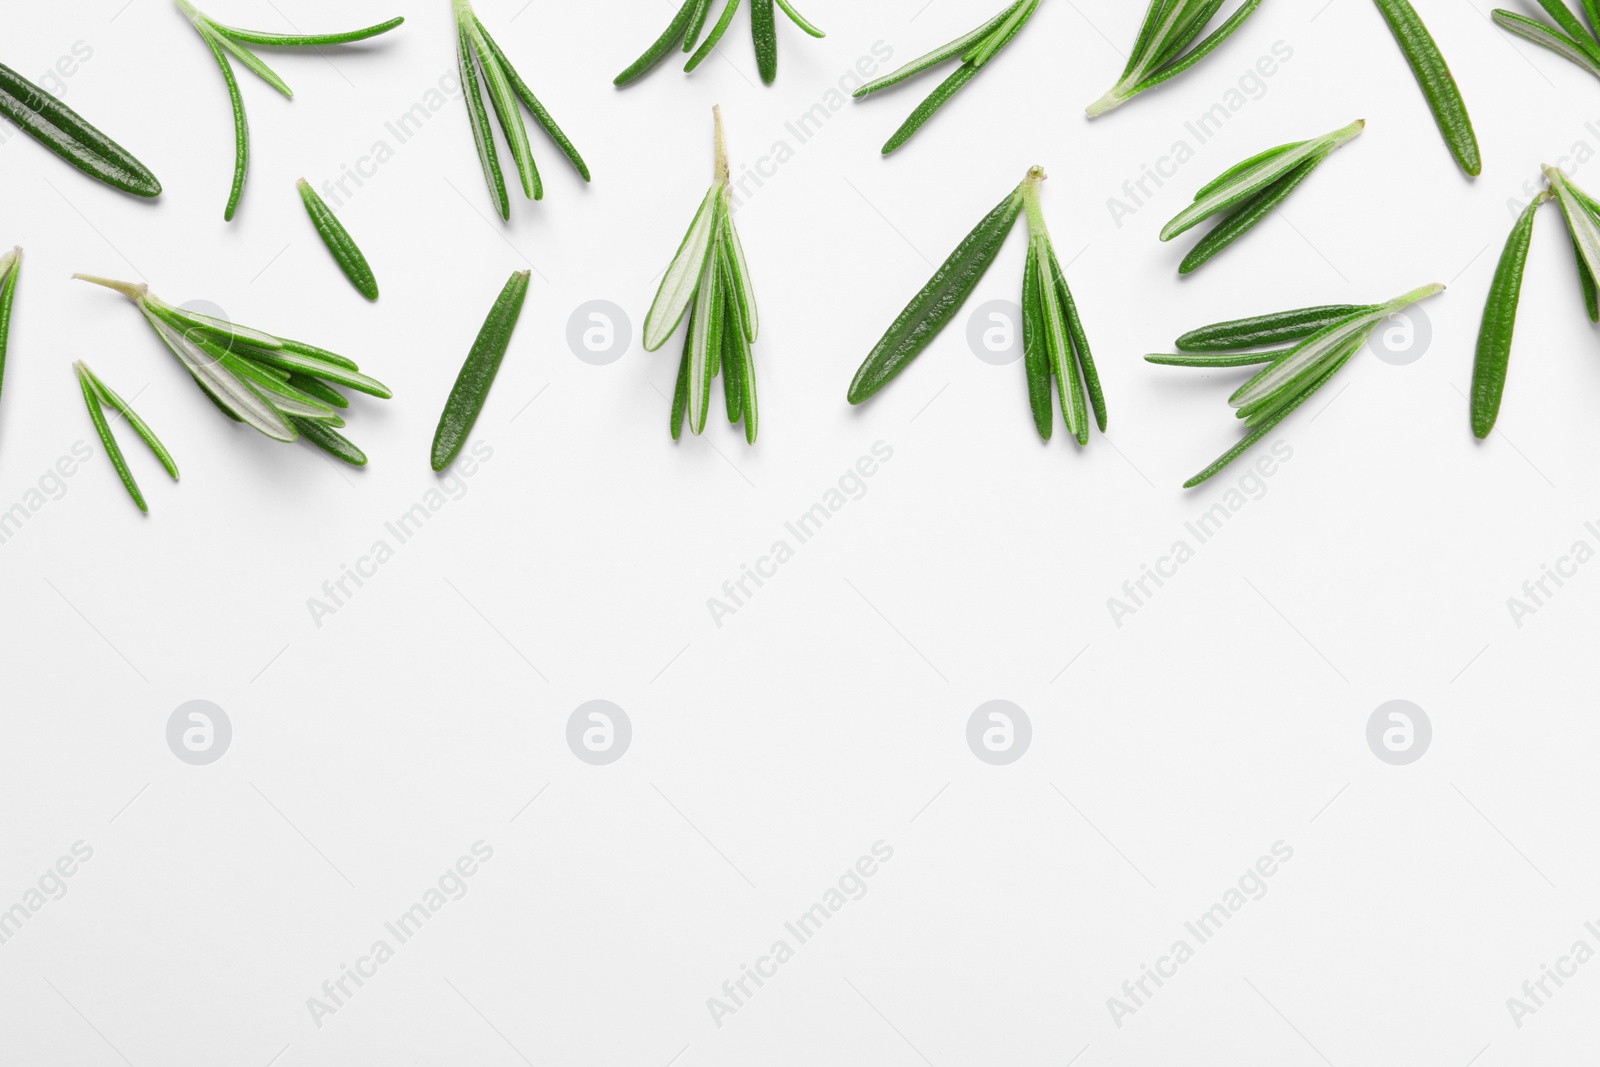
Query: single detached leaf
[1500, 324]
[931, 310]
[1438, 84]
[471, 390]
[67, 134]
[343, 247]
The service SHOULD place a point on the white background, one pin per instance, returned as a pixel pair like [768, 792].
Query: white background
[830, 712]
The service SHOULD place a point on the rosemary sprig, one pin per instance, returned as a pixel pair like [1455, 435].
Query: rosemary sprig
[1325, 339]
[96, 393]
[475, 50]
[249, 374]
[1437, 83]
[1055, 343]
[709, 280]
[340, 244]
[1568, 38]
[1250, 191]
[691, 19]
[10, 270]
[1170, 27]
[975, 49]
[228, 43]
[66, 133]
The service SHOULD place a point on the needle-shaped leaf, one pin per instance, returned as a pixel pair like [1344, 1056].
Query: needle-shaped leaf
[1216, 359]
[539, 111]
[714, 37]
[764, 28]
[692, 10]
[1500, 323]
[139, 426]
[1272, 329]
[245, 56]
[343, 247]
[504, 102]
[1035, 350]
[1583, 223]
[298, 363]
[478, 117]
[937, 56]
[241, 128]
[304, 40]
[1058, 345]
[10, 269]
[1170, 27]
[697, 22]
[1082, 355]
[318, 388]
[1247, 183]
[680, 395]
[1437, 83]
[330, 441]
[739, 277]
[97, 415]
[683, 275]
[1248, 214]
[800, 20]
[931, 310]
[66, 133]
[247, 405]
[1244, 167]
[707, 333]
[230, 332]
[471, 390]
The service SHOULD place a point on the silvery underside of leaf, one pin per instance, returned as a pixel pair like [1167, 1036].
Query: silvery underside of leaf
[233, 394]
[682, 278]
[1583, 220]
[1549, 37]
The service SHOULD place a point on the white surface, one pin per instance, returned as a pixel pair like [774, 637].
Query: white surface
[829, 713]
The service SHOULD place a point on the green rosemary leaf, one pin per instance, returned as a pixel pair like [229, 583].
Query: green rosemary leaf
[1540, 34]
[1248, 183]
[931, 310]
[506, 109]
[234, 395]
[318, 388]
[739, 273]
[1186, 29]
[707, 335]
[66, 133]
[471, 390]
[1035, 350]
[984, 50]
[697, 22]
[245, 56]
[714, 37]
[113, 452]
[1059, 345]
[330, 441]
[938, 55]
[1500, 323]
[801, 21]
[140, 427]
[930, 106]
[187, 320]
[1569, 24]
[764, 29]
[482, 133]
[1248, 215]
[10, 270]
[539, 111]
[1437, 83]
[1216, 359]
[1260, 330]
[1169, 27]
[1262, 410]
[241, 128]
[663, 44]
[1582, 222]
[1243, 167]
[683, 275]
[1080, 348]
[345, 251]
[680, 396]
[304, 40]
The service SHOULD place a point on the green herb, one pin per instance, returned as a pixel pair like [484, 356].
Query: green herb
[227, 43]
[10, 271]
[691, 18]
[1500, 321]
[709, 280]
[471, 390]
[1438, 85]
[1327, 337]
[1054, 342]
[248, 373]
[339, 242]
[66, 133]
[1569, 37]
[974, 49]
[475, 48]
[1249, 191]
[1170, 27]
[96, 392]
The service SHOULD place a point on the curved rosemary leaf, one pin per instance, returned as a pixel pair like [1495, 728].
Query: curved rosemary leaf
[764, 29]
[697, 22]
[938, 55]
[478, 116]
[801, 21]
[662, 45]
[10, 270]
[113, 452]
[539, 112]
[1169, 27]
[733, 356]
[1438, 85]
[330, 441]
[1500, 324]
[245, 56]
[295, 362]
[241, 129]
[140, 427]
[66, 133]
[1260, 330]
[343, 247]
[1251, 212]
[714, 37]
[304, 40]
[471, 390]
[933, 308]
[683, 275]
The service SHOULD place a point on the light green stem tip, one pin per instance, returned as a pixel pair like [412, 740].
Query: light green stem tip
[720, 171]
[134, 292]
